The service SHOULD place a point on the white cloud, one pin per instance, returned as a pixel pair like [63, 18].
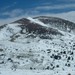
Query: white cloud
[49, 7]
[13, 13]
[66, 15]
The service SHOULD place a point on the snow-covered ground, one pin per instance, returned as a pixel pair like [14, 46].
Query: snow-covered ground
[35, 72]
[35, 56]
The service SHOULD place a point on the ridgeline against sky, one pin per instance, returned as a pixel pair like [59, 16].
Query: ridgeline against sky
[14, 9]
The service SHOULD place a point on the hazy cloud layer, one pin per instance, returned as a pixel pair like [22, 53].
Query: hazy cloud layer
[49, 7]
[13, 13]
[67, 15]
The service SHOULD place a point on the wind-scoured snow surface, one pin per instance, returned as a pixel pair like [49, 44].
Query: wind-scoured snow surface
[36, 21]
[25, 52]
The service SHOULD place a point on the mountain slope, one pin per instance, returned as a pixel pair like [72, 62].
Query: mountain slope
[33, 44]
[58, 23]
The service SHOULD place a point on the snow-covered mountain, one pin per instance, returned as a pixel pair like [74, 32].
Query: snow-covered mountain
[41, 43]
[58, 23]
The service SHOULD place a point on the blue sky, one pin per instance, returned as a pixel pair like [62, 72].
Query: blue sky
[11, 9]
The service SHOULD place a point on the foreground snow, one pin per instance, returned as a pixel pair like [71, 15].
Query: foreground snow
[34, 72]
